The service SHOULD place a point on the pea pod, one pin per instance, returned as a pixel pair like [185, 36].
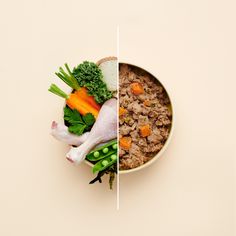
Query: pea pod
[103, 151]
[105, 162]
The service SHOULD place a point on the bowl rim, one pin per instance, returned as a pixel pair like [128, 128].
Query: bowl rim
[160, 153]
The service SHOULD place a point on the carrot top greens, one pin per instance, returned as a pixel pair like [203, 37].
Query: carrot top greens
[56, 90]
[68, 77]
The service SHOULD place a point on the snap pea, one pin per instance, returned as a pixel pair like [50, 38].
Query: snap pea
[104, 163]
[96, 154]
[103, 151]
[113, 157]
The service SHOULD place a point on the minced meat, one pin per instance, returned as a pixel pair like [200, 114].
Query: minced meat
[150, 108]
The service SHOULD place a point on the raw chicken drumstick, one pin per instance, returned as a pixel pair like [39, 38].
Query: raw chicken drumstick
[104, 129]
[61, 133]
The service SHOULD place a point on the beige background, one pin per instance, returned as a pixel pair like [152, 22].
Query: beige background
[190, 46]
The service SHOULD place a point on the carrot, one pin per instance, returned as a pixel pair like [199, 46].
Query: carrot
[147, 103]
[122, 111]
[125, 142]
[145, 130]
[74, 102]
[83, 93]
[137, 88]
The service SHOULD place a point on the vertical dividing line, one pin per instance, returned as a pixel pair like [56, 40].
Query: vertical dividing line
[118, 172]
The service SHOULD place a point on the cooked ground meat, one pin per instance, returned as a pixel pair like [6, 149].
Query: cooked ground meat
[146, 116]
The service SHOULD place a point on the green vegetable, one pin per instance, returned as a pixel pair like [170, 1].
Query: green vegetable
[77, 129]
[76, 123]
[56, 90]
[68, 77]
[89, 119]
[100, 154]
[96, 154]
[113, 157]
[114, 146]
[104, 163]
[89, 75]
[105, 150]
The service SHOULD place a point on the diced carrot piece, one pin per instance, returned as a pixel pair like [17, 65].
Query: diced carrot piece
[137, 88]
[125, 142]
[147, 103]
[122, 111]
[145, 130]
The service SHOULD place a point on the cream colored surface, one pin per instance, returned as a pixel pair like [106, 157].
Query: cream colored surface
[190, 46]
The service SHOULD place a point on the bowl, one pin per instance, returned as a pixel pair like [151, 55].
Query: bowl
[160, 153]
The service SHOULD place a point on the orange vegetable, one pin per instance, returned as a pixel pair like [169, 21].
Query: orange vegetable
[137, 88]
[83, 94]
[147, 103]
[122, 111]
[125, 142]
[75, 102]
[145, 130]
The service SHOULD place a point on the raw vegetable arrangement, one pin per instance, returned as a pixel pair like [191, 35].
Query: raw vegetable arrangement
[90, 115]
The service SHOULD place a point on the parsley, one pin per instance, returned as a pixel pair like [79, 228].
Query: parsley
[76, 123]
[89, 75]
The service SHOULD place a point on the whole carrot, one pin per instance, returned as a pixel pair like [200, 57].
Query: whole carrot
[74, 102]
[81, 92]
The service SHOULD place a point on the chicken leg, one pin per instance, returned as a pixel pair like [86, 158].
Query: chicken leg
[61, 133]
[104, 129]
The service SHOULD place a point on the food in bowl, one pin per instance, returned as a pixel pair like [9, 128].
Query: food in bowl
[145, 116]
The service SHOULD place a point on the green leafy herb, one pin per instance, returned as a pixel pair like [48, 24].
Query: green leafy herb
[89, 75]
[72, 116]
[89, 119]
[76, 123]
[77, 129]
